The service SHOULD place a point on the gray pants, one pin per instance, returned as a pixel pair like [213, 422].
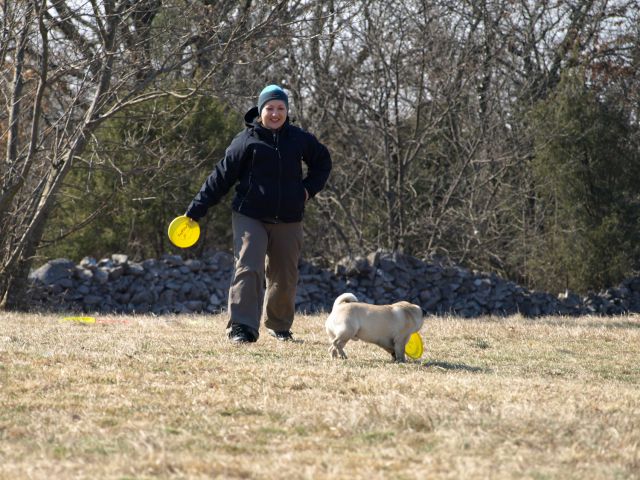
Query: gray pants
[264, 249]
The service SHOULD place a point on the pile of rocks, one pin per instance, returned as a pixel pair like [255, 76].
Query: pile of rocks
[383, 277]
[173, 285]
[117, 284]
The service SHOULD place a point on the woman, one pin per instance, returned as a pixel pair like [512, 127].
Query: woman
[264, 162]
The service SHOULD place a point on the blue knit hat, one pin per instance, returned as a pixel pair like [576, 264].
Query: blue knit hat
[272, 92]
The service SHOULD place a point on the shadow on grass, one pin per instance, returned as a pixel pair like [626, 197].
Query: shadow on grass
[455, 366]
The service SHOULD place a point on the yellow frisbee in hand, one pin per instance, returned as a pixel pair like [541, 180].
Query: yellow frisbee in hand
[414, 347]
[184, 231]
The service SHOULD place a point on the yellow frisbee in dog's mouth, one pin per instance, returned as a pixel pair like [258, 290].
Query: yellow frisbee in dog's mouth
[414, 346]
[183, 231]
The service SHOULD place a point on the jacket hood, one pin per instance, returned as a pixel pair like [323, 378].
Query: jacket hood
[252, 118]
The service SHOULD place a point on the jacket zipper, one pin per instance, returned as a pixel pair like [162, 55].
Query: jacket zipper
[275, 141]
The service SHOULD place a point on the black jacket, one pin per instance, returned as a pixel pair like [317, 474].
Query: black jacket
[266, 168]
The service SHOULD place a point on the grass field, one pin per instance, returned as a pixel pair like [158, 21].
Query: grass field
[169, 397]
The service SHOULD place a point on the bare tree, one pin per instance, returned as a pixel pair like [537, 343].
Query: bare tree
[75, 64]
[425, 103]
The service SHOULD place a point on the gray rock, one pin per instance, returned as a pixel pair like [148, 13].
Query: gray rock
[193, 265]
[135, 269]
[167, 297]
[84, 274]
[89, 262]
[54, 271]
[92, 300]
[115, 272]
[120, 259]
[105, 262]
[142, 297]
[194, 305]
[66, 283]
[173, 260]
[173, 285]
[101, 276]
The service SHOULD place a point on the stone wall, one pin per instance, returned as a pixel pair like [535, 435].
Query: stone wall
[173, 285]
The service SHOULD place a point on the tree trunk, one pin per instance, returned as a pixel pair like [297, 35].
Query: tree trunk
[17, 277]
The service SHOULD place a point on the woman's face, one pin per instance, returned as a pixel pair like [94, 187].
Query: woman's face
[273, 114]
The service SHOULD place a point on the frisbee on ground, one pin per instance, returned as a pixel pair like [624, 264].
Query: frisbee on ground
[184, 231]
[414, 347]
[80, 319]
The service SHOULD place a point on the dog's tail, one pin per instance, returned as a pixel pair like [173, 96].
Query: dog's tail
[345, 298]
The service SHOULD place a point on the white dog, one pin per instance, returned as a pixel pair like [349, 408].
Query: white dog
[388, 326]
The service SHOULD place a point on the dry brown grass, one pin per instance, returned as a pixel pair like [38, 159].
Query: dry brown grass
[170, 397]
